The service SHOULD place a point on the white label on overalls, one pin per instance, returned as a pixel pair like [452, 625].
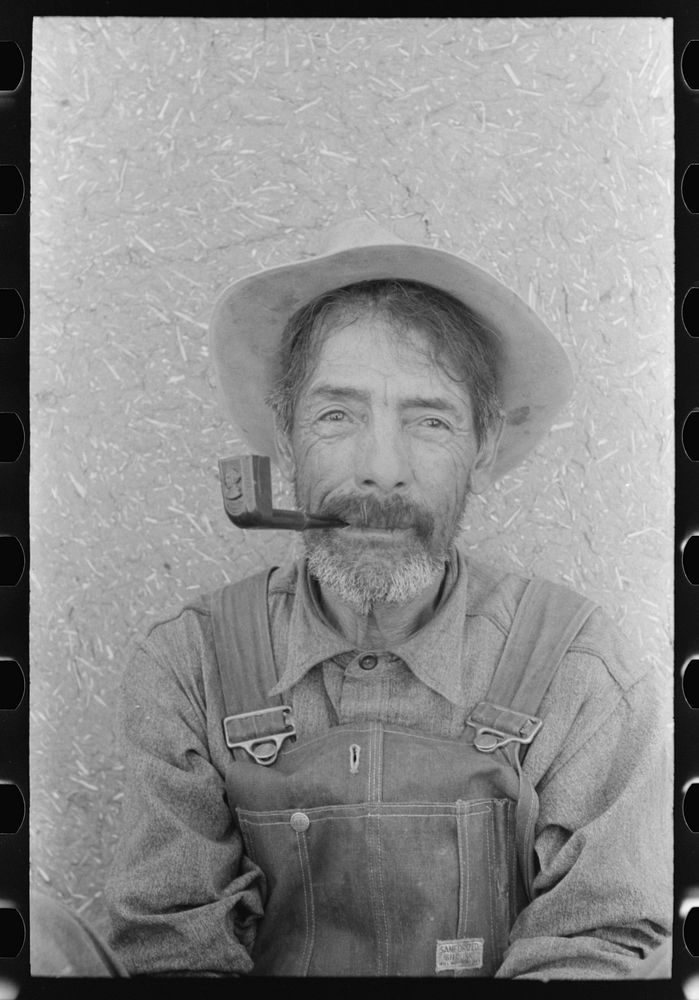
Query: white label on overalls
[464, 953]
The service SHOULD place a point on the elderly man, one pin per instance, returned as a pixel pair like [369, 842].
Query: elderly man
[387, 759]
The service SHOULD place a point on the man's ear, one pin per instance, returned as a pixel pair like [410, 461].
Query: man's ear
[285, 454]
[481, 471]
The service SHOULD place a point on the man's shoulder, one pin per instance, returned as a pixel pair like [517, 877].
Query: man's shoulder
[195, 613]
[180, 646]
[493, 593]
[496, 595]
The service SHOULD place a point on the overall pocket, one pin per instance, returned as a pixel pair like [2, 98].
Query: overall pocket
[276, 842]
[488, 866]
[376, 889]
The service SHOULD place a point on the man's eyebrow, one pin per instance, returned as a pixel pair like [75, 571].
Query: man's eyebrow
[429, 403]
[330, 391]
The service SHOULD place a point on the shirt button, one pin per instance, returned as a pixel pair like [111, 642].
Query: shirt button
[368, 661]
[299, 822]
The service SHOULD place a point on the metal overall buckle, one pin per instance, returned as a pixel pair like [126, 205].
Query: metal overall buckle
[260, 734]
[497, 726]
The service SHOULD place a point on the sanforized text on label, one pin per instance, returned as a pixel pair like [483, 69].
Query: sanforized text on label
[463, 953]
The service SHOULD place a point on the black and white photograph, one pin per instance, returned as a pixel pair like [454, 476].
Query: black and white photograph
[351, 497]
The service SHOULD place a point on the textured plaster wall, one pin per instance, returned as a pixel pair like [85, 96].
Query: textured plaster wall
[170, 156]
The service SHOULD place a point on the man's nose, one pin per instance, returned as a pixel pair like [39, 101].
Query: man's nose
[382, 461]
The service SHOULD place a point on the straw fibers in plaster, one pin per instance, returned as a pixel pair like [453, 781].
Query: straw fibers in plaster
[172, 155]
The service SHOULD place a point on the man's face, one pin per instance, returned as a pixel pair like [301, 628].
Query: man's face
[384, 439]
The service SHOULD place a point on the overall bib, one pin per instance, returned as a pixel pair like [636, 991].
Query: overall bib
[387, 851]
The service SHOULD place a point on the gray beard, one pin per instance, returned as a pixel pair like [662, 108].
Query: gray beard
[365, 574]
[362, 581]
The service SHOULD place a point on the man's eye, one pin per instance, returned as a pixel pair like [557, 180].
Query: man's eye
[434, 422]
[334, 416]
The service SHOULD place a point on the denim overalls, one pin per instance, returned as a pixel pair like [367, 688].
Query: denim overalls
[386, 851]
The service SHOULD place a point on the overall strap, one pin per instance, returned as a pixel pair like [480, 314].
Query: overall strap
[547, 620]
[256, 724]
[244, 645]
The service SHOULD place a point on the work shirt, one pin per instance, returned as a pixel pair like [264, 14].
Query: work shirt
[184, 898]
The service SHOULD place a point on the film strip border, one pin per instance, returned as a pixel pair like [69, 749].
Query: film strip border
[686, 931]
[15, 51]
[15, 75]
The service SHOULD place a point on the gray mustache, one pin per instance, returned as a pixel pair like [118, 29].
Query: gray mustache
[370, 512]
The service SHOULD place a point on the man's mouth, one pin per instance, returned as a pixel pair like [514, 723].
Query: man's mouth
[367, 515]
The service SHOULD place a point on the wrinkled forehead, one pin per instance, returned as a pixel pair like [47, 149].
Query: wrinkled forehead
[368, 359]
[352, 327]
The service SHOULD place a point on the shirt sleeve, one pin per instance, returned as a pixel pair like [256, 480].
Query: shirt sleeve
[602, 895]
[182, 896]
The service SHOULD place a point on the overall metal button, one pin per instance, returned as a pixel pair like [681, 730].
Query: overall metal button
[485, 741]
[299, 822]
[265, 751]
[368, 661]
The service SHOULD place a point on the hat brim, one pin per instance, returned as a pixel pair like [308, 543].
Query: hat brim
[535, 379]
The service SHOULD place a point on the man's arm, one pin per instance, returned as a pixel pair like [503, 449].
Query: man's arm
[603, 890]
[182, 896]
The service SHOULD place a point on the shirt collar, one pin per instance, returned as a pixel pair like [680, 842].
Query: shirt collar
[434, 653]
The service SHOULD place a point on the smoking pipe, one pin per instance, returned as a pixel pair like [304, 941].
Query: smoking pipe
[246, 484]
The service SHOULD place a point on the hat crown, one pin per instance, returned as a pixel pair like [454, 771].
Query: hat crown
[358, 232]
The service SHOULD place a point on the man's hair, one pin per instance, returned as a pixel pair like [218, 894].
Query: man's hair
[458, 342]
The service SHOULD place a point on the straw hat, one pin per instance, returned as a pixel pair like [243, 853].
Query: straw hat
[535, 377]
